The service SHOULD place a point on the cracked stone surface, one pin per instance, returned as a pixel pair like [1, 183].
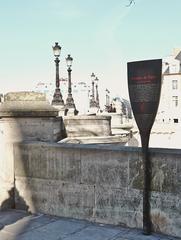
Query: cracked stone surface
[19, 225]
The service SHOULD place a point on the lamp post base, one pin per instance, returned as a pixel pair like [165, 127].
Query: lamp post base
[71, 112]
[57, 98]
[70, 108]
[61, 109]
[93, 109]
[93, 104]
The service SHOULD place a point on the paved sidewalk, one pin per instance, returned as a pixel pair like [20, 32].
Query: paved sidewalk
[19, 225]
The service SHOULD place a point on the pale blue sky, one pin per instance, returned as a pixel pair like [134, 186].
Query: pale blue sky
[101, 36]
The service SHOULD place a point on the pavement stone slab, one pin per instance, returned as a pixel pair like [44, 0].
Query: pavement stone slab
[6, 236]
[94, 233]
[35, 235]
[62, 228]
[27, 223]
[10, 216]
[54, 231]
[18, 225]
[134, 234]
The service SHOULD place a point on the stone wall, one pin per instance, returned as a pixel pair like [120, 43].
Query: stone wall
[87, 125]
[98, 183]
[23, 116]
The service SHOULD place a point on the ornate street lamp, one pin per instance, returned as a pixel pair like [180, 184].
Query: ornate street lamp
[107, 99]
[57, 97]
[92, 100]
[70, 105]
[97, 94]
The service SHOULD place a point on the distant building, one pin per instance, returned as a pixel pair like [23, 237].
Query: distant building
[170, 102]
[80, 93]
[48, 88]
[121, 105]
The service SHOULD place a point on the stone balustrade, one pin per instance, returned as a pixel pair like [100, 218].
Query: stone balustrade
[98, 183]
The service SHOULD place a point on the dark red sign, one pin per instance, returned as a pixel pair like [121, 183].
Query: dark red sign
[144, 83]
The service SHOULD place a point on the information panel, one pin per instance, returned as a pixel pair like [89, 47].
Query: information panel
[144, 83]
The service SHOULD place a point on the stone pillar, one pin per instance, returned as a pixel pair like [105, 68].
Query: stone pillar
[24, 116]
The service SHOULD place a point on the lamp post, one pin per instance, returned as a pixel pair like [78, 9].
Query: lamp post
[70, 105]
[88, 93]
[97, 94]
[92, 100]
[1, 96]
[107, 99]
[57, 97]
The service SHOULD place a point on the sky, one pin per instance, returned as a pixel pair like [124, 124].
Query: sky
[101, 36]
